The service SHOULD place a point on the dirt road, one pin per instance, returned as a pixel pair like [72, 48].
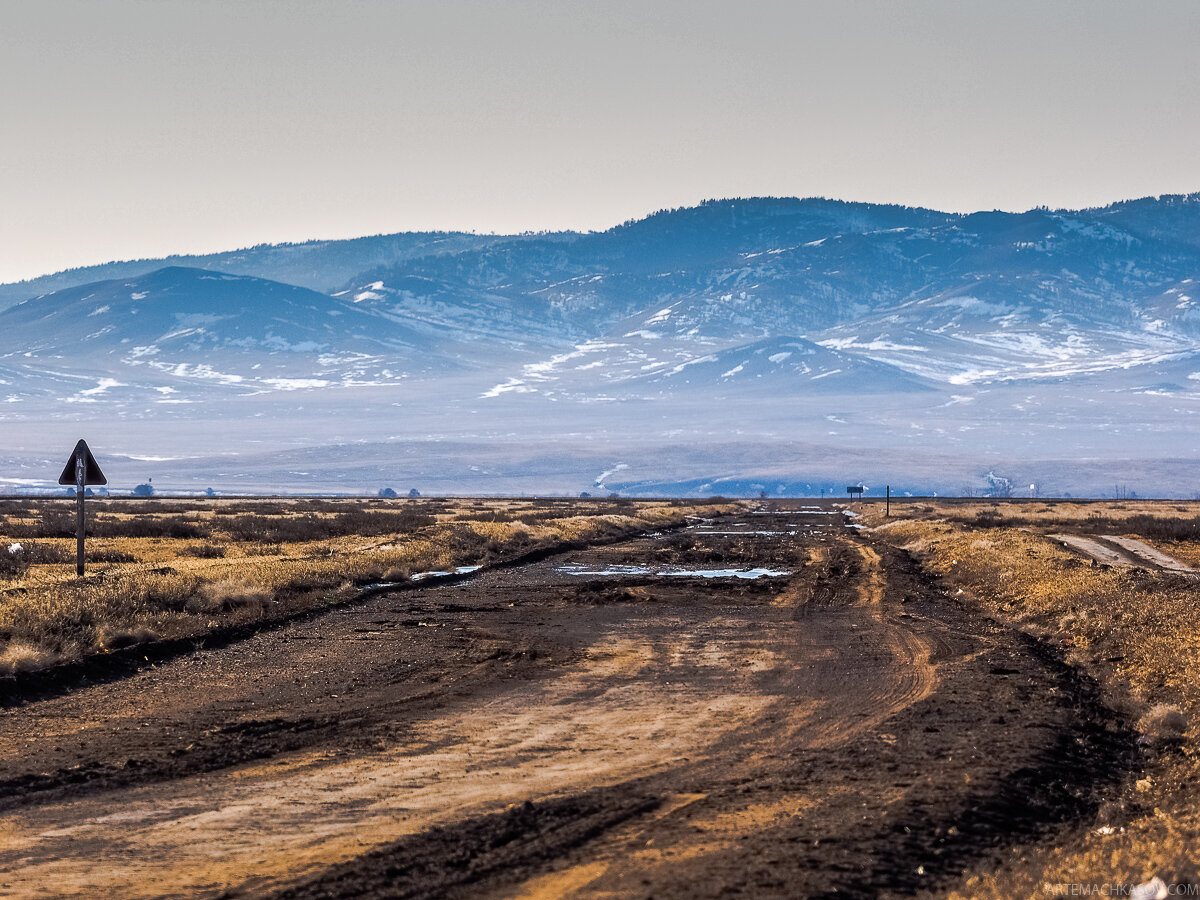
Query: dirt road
[768, 705]
[1118, 550]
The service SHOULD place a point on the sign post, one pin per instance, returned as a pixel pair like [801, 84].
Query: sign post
[81, 470]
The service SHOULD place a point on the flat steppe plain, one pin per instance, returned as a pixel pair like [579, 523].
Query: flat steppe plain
[769, 699]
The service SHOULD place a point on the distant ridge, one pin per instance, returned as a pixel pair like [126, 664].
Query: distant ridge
[321, 265]
[739, 341]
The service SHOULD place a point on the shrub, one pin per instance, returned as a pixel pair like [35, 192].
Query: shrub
[203, 551]
[13, 562]
[15, 559]
[113, 638]
[228, 595]
[308, 527]
[19, 656]
[114, 557]
[144, 526]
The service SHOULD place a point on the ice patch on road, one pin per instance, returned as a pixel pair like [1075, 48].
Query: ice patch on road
[673, 572]
[699, 530]
[459, 570]
[424, 576]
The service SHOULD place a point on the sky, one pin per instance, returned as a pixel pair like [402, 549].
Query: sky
[138, 128]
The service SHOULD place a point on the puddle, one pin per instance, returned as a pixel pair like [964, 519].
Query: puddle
[423, 576]
[769, 533]
[460, 570]
[670, 571]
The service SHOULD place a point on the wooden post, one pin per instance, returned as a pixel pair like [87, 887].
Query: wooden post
[888, 508]
[80, 471]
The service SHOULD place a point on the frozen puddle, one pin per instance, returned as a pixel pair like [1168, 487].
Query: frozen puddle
[740, 533]
[672, 571]
[460, 570]
[424, 576]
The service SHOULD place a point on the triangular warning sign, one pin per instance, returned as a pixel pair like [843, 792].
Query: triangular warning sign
[91, 471]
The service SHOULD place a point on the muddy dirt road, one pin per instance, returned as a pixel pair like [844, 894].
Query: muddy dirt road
[769, 705]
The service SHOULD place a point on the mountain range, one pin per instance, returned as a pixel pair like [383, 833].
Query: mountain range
[769, 345]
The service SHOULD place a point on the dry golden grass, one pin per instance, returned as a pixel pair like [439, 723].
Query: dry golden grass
[144, 587]
[1136, 632]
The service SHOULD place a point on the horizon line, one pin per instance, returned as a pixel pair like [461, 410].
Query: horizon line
[585, 231]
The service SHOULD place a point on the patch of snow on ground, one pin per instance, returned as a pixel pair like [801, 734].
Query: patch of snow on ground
[101, 310]
[956, 399]
[779, 357]
[89, 395]
[691, 362]
[971, 376]
[513, 385]
[296, 384]
[619, 467]
[853, 343]
[139, 295]
[975, 305]
[199, 370]
[671, 572]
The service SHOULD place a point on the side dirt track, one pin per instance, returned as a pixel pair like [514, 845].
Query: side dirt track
[598, 724]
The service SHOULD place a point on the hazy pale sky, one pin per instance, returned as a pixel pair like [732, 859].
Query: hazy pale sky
[135, 128]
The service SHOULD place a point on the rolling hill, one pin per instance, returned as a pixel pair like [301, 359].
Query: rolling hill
[939, 346]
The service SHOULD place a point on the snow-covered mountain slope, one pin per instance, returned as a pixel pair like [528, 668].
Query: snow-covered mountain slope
[643, 365]
[785, 366]
[1036, 288]
[890, 335]
[178, 328]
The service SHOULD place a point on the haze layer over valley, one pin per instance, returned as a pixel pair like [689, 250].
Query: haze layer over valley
[764, 345]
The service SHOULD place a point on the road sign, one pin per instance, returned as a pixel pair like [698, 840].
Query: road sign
[91, 471]
[855, 489]
[81, 470]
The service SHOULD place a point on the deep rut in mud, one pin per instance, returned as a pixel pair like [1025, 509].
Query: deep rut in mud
[608, 723]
